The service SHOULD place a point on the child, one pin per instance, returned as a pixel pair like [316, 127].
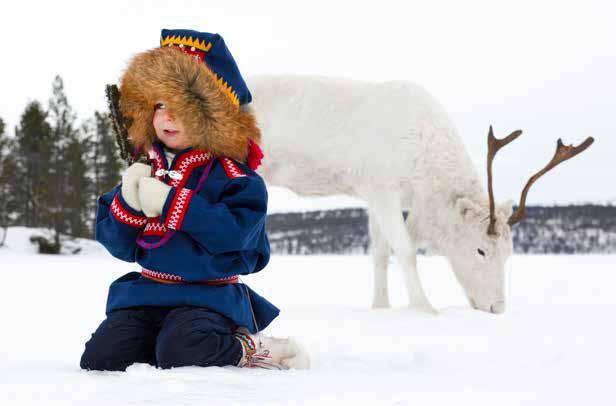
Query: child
[194, 220]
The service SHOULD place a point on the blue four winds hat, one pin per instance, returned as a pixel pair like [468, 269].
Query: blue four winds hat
[211, 49]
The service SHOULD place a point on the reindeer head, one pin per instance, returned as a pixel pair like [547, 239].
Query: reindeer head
[483, 240]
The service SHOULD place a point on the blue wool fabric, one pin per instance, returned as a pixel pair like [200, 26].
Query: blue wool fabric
[162, 337]
[222, 235]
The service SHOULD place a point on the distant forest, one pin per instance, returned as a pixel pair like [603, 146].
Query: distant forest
[53, 169]
[580, 229]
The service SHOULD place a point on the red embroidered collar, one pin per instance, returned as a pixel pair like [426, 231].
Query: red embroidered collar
[184, 163]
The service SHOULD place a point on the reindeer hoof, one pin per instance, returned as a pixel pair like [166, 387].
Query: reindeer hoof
[378, 304]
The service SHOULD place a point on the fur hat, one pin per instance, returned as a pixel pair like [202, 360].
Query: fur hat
[205, 98]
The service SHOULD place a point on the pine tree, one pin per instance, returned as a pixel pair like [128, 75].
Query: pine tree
[68, 197]
[29, 187]
[103, 160]
[76, 203]
[107, 159]
[3, 192]
[62, 126]
[8, 172]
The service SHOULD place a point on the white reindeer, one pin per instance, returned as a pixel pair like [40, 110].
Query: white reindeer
[392, 145]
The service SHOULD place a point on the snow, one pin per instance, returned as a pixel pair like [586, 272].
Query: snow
[554, 344]
[18, 241]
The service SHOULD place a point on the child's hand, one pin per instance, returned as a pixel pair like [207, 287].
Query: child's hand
[130, 183]
[152, 195]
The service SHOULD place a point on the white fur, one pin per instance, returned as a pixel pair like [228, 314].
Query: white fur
[287, 352]
[394, 146]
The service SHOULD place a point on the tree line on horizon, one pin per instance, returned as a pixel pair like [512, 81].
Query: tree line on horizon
[53, 169]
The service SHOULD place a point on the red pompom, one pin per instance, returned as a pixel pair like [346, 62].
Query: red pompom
[254, 155]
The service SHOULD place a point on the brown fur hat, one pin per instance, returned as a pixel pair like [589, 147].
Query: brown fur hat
[193, 95]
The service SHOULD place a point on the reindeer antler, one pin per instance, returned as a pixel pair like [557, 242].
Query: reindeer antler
[562, 153]
[494, 144]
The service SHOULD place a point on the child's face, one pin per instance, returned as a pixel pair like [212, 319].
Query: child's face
[169, 130]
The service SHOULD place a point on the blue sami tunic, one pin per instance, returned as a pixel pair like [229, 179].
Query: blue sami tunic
[219, 234]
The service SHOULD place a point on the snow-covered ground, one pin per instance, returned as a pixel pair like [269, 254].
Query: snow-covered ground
[555, 345]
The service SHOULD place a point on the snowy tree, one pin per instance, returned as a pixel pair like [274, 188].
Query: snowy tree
[8, 172]
[76, 206]
[30, 185]
[68, 196]
[102, 159]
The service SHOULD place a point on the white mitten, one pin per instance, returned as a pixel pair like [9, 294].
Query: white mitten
[152, 195]
[130, 183]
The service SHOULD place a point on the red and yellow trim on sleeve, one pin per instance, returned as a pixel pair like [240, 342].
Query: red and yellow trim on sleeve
[178, 207]
[124, 216]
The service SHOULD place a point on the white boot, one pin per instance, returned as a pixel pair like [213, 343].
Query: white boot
[259, 351]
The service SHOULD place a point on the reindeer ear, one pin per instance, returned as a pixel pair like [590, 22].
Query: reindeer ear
[466, 207]
[506, 207]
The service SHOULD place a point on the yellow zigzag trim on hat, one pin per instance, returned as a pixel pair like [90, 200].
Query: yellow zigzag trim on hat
[226, 88]
[186, 41]
[203, 46]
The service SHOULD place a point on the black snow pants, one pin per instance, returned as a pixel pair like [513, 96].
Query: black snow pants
[163, 337]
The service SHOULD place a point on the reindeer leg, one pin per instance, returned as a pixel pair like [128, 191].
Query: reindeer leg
[387, 208]
[379, 249]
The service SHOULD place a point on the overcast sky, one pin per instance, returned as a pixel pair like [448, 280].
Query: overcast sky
[546, 67]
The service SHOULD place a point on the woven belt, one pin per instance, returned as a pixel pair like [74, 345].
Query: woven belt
[171, 278]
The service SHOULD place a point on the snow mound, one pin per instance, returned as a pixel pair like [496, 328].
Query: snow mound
[18, 242]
